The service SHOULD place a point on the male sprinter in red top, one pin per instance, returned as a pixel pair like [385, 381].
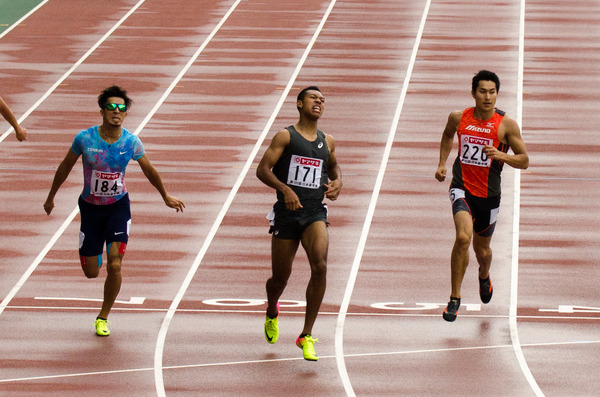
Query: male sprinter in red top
[485, 134]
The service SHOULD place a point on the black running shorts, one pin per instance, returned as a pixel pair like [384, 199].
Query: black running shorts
[103, 224]
[286, 224]
[483, 210]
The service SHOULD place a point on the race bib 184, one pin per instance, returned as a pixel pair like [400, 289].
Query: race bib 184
[305, 172]
[472, 150]
[106, 184]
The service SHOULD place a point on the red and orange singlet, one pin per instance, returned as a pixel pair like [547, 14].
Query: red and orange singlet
[473, 171]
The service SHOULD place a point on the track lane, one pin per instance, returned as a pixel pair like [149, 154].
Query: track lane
[412, 233]
[559, 219]
[251, 264]
[38, 285]
[59, 132]
[24, 160]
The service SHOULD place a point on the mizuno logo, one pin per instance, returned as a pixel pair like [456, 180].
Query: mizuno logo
[478, 129]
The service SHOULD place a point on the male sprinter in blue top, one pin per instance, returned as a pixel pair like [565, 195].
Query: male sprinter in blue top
[104, 202]
[297, 164]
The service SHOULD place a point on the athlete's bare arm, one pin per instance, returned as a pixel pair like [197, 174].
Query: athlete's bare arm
[20, 132]
[510, 134]
[447, 143]
[334, 172]
[62, 172]
[265, 173]
[154, 177]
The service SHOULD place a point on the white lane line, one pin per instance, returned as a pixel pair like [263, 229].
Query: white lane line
[158, 353]
[339, 328]
[72, 69]
[288, 359]
[24, 17]
[514, 277]
[134, 300]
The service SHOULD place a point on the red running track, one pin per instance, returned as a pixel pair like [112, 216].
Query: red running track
[211, 82]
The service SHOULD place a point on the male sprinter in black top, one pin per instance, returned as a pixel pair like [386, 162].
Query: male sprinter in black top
[298, 164]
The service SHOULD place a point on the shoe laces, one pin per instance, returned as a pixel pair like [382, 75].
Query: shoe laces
[101, 321]
[271, 323]
[310, 341]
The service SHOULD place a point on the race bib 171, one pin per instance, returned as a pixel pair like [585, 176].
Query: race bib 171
[305, 172]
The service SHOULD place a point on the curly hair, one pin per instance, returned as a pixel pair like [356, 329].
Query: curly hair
[113, 91]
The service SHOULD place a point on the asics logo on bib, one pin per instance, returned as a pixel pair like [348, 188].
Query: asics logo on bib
[478, 129]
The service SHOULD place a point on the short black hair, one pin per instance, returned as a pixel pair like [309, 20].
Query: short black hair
[485, 75]
[302, 93]
[113, 91]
